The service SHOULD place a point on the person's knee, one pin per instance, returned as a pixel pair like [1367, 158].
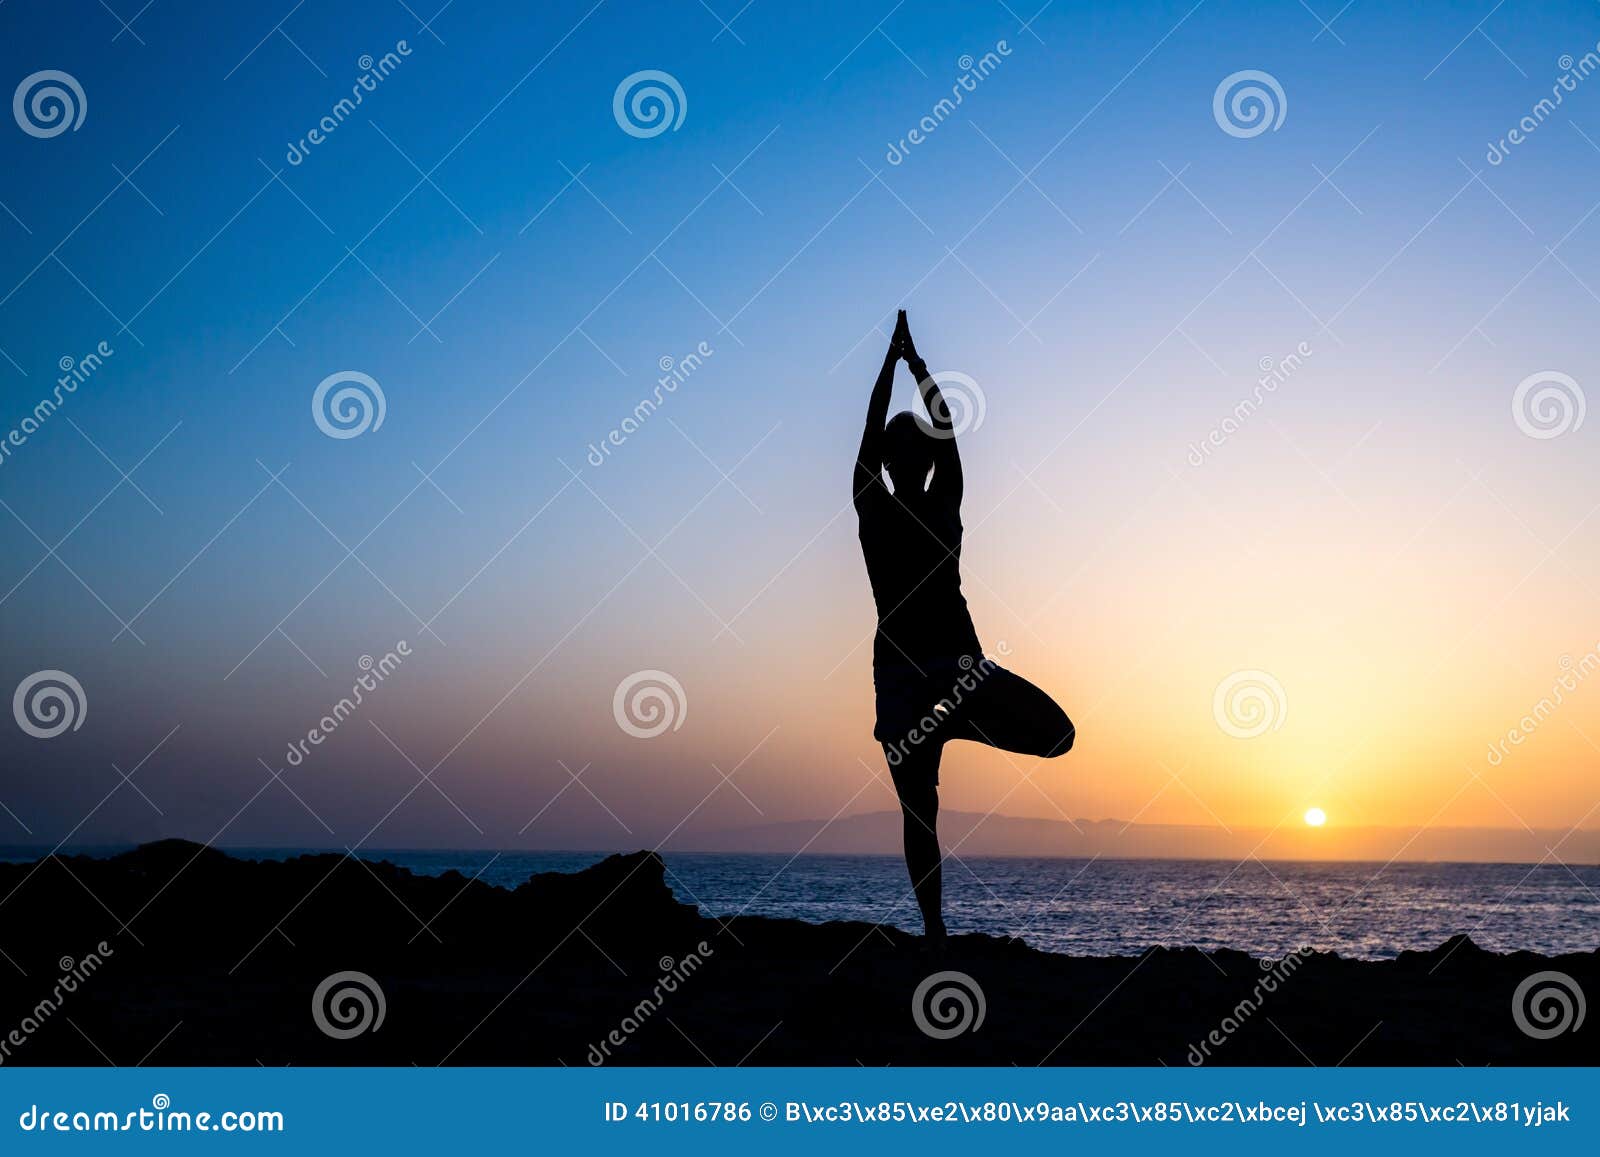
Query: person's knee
[1061, 738]
[921, 801]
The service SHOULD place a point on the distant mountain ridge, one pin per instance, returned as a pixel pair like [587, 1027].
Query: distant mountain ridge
[972, 834]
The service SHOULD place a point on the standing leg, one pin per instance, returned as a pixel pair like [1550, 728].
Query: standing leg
[916, 781]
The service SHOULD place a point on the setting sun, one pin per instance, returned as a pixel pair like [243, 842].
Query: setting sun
[1316, 817]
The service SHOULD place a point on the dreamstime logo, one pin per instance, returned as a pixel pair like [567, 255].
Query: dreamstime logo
[1274, 974]
[963, 684]
[1248, 103]
[47, 703]
[1567, 682]
[350, 412]
[648, 103]
[74, 373]
[948, 1004]
[649, 702]
[1573, 73]
[973, 72]
[964, 404]
[674, 372]
[1548, 404]
[373, 73]
[1274, 373]
[55, 105]
[373, 672]
[1548, 1004]
[1249, 703]
[673, 974]
[73, 974]
[348, 1004]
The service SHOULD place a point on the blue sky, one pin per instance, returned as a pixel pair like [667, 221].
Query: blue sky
[1113, 306]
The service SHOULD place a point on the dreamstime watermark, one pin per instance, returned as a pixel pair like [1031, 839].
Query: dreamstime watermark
[348, 1004]
[373, 73]
[947, 1004]
[673, 973]
[649, 702]
[74, 372]
[674, 372]
[1249, 102]
[1273, 374]
[973, 72]
[159, 1118]
[358, 406]
[963, 403]
[1548, 404]
[1248, 704]
[73, 973]
[374, 672]
[1571, 677]
[1548, 1004]
[1573, 72]
[649, 102]
[48, 703]
[48, 103]
[972, 675]
[1274, 974]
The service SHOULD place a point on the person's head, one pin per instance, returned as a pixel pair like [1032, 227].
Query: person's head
[908, 452]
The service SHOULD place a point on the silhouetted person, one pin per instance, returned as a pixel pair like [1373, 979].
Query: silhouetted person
[932, 680]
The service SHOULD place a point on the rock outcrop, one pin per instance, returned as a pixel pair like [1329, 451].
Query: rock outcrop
[202, 958]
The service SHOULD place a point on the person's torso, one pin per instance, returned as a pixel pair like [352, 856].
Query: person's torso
[913, 562]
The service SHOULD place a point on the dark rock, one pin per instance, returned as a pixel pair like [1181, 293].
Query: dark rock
[209, 959]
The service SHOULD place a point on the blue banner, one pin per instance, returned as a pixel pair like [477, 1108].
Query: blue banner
[800, 1110]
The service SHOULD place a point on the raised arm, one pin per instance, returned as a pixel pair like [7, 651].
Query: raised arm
[947, 479]
[869, 459]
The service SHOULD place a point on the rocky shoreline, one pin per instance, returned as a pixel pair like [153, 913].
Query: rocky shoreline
[174, 954]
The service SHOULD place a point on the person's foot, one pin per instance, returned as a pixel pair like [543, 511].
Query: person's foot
[935, 940]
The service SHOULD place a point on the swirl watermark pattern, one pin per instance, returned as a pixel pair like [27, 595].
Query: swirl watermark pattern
[948, 1004]
[1548, 404]
[48, 103]
[1248, 103]
[48, 703]
[1548, 1004]
[351, 411]
[1248, 704]
[348, 1004]
[649, 702]
[648, 103]
[965, 404]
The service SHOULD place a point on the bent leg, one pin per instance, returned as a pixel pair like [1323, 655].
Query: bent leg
[916, 781]
[1006, 711]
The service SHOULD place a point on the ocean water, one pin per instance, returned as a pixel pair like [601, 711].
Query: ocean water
[1121, 907]
[1109, 907]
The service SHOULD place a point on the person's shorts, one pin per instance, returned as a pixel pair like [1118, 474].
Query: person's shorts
[916, 703]
[922, 707]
